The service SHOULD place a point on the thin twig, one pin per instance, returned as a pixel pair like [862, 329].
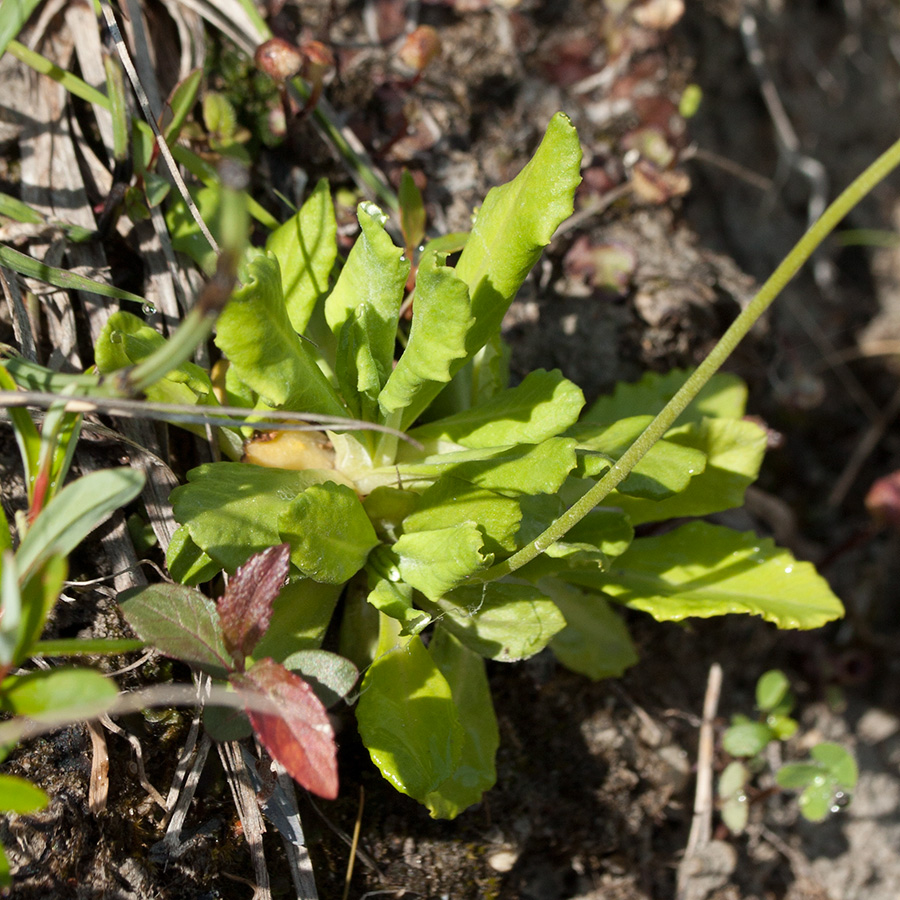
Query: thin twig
[701, 825]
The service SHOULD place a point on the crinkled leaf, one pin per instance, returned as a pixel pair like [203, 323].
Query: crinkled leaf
[231, 510]
[723, 396]
[186, 562]
[256, 335]
[57, 695]
[395, 599]
[441, 320]
[476, 772]
[435, 562]
[734, 450]
[500, 620]
[245, 608]
[666, 469]
[374, 277]
[180, 622]
[524, 469]
[331, 676]
[306, 249]
[329, 533]
[595, 641]
[297, 731]
[359, 375]
[300, 618]
[74, 513]
[20, 796]
[515, 222]
[706, 570]
[406, 714]
[451, 501]
[542, 406]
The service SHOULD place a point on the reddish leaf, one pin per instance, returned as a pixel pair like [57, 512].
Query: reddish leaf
[245, 608]
[297, 731]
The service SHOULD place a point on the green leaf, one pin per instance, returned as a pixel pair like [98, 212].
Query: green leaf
[839, 763]
[331, 676]
[306, 249]
[359, 376]
[747, 738]
[186, 562]
[525, 469]
[441, 320]
[706, 570]
[181, 102]
[300, 617]
[783, 727]
[724, 396]
[412, 210]
[595, 641]
[180, 622]
[60, 278]
[20, 796]
[665, 470]
[127, 340]
[816, 801]
[57, 695]
[13, 16]
[795, 776]
[435, 562]
[500, 620]
[542, 406]
[183, 230]
[86, 646]
[395, 599]
[329, 533]
[515, 222]
[373, 277]
[256, 335]
[476, 772]
[406, 714]
[451, 501]
[771, 689]
[734, 450]
[74, 513]
[231, 510]
[39, 595]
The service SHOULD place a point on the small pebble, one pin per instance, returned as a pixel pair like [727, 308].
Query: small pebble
[503, 860]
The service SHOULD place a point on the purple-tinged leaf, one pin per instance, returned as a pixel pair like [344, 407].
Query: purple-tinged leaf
[245, 608]
[297, 731]
[180, 622]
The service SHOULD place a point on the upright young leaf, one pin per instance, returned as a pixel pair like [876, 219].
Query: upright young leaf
[181, 623]
[476, 773]
[374, 276]
[706, 570]
[515, 222]
[306, 249]
[437, 337]
[295, 729]
[245, 608]
[406, 714]
[256, 335]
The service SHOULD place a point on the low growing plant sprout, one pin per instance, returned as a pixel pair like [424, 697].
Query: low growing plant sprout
[456, 546]
[824, 781]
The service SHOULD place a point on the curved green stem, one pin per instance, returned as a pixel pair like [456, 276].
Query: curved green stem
[801, 252]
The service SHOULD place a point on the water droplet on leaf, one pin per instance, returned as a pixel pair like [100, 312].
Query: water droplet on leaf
[148, 308]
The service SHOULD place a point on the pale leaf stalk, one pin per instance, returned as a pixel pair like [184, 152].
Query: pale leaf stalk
[776, 282]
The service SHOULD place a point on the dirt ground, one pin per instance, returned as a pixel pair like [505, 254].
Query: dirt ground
[595, 789]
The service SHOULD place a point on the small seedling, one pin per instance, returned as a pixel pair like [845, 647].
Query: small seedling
[824, 781]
